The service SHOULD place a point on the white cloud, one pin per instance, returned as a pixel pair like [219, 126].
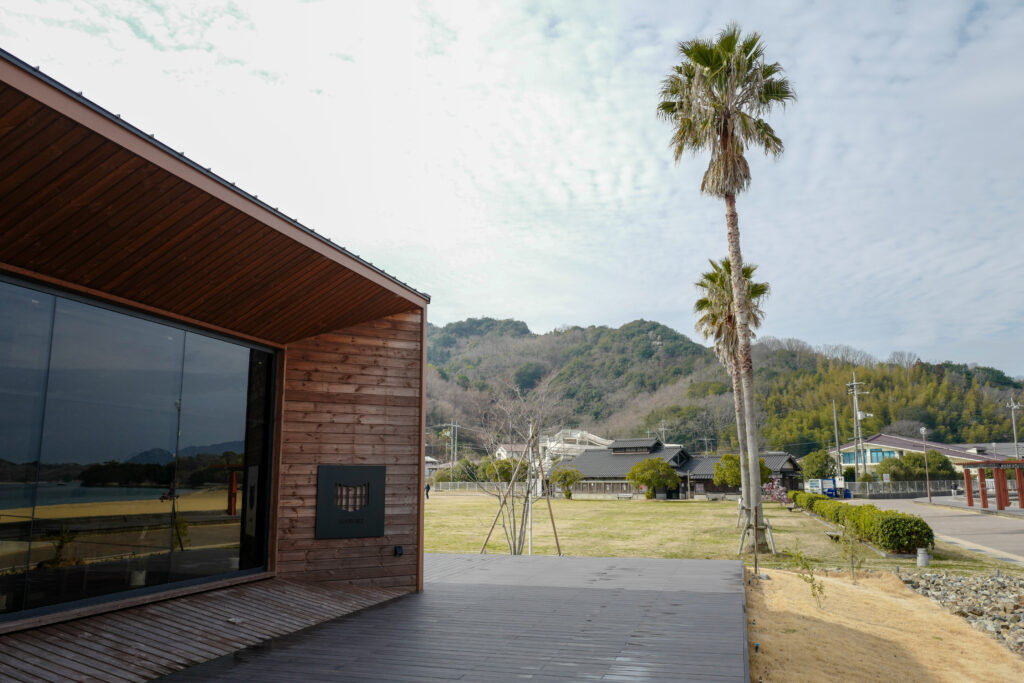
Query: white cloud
[505, 157]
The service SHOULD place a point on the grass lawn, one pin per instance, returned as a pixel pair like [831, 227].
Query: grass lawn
[458, 522]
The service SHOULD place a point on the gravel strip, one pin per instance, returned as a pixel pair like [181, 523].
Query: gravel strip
[992, 604]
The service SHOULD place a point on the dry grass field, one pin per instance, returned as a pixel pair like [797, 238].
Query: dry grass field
[873, 630]
[458, 522]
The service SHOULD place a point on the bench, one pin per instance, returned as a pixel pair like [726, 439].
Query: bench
[624, 496]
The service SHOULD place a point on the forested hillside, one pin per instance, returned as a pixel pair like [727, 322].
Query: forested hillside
[645, 377]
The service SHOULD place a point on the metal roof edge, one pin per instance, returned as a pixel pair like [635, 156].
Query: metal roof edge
[151, 139]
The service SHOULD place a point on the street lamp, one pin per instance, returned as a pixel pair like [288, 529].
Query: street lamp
[927, 479]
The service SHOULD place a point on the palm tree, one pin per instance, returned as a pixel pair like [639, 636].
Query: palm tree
[718, 321]
[716, 100]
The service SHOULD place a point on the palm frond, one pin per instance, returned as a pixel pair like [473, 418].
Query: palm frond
[717, 98]
[716, 319]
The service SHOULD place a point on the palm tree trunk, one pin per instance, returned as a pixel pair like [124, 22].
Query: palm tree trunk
[737, 395]
[744, 361]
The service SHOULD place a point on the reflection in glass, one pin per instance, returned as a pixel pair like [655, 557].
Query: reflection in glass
[210, 457]
[111, 408]
[132, 453]
[26, 317]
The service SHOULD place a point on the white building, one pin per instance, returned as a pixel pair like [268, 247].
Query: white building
[568, 443]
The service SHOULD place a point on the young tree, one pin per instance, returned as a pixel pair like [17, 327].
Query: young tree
[819, 465]
[727, 471]
[911, 467]
[496, 469]
[464, 470]
[565, 477]
[897, 469]
[512, 417]
[653, 473]
[718, 321]
[716, 100]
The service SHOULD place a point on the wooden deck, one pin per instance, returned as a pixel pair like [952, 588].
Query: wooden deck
[493, 618]
[150, 641]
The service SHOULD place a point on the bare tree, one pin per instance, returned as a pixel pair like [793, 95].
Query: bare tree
[846, 354]
[903, 359]
[515, 417]
[908, 428]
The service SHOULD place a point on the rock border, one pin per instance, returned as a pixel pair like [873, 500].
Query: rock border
[991, 603]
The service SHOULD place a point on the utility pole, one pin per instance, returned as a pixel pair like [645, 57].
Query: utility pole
[835, 424]
[705, 439]
[453, 445]
[1014, 407]
[857, 434]
[662, 429]
[927, 479]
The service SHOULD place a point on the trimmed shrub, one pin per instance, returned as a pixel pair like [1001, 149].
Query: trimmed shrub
[793, 494]
[899, 532]
[863, 519]
[842, 513]
[814, 499]
[896, 532]
[828, 509]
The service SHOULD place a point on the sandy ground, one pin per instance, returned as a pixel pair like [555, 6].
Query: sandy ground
[874, 630]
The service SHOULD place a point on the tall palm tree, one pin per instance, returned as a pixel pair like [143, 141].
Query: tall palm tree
[716, 100]
[718, 321]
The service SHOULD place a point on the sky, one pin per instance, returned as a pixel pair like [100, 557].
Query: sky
[506, 157]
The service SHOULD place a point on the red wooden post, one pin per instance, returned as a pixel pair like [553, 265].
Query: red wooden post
[1019, 472]
[981, 487]
[968, 488]
[232, 492]
[999, 475]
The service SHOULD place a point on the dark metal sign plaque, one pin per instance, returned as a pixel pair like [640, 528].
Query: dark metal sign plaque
[350, 501]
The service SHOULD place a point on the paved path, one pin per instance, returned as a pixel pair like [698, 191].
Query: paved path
[998, 535]
[497, 618]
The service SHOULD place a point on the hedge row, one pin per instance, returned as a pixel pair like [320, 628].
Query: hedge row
[894, 531]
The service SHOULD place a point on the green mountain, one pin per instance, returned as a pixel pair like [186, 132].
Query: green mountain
[645, 378]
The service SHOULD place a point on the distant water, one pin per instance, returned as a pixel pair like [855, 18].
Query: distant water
[20, 496]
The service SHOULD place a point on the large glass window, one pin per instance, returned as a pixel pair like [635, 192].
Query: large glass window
[132, 452]
[878, 455]
[24, 360]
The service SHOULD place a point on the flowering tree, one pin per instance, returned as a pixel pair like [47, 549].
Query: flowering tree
[774, 490]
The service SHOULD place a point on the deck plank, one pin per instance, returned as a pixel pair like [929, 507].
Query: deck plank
[508, 618]
[148, 641]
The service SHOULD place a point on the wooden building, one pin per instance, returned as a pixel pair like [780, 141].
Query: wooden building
[196, 391]
[604, 471]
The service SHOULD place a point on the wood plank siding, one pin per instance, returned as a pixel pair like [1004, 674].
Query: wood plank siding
[352, 397]
[94, 205]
